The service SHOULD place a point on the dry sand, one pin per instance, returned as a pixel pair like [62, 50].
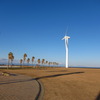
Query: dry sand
[67, 84]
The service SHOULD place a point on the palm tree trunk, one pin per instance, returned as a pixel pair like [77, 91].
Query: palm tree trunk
[23, 64]
[8, 64]
[11, 64]
[20, 65]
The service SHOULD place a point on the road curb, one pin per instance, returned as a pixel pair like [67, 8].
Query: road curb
[41, 91]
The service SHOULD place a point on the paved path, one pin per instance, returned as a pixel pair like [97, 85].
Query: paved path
[18, 87]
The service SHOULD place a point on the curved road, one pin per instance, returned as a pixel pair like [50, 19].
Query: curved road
[19, 87]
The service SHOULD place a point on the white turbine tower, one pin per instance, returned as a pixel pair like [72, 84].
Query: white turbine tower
[66, 47]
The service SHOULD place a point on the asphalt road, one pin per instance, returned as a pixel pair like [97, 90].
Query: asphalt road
[18, 87]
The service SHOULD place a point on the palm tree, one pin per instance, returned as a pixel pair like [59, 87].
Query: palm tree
[43, 61]
[38, 61]
[10, 58]
[33, 60]
[24, 58]
[46, 62]
[28, 60]
[49, 63]
[54, 63]
[21, 61]
[57, 64]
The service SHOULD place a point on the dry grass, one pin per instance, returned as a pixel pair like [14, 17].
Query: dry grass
[66, 84]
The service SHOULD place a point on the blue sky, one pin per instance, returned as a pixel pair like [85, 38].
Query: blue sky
[36, 27]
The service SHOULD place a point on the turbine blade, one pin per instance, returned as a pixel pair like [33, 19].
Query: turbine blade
[63, 38]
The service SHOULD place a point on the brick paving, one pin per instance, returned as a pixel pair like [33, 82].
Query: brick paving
[18, 87]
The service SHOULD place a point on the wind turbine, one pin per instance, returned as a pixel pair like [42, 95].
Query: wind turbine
[66, 47]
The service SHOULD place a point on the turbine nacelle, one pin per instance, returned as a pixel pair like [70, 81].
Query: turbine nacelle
[66, 37]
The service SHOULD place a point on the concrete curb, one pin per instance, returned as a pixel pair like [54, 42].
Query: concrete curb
[41, 91]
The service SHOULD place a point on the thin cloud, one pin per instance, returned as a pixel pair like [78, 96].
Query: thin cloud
[5, 61]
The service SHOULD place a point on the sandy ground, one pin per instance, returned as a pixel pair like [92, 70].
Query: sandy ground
[67, 84]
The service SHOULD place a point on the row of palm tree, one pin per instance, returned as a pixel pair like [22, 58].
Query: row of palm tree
[22, 61]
